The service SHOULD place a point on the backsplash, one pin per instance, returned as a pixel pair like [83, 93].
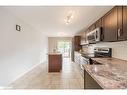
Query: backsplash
[88, 49]
[119, 49]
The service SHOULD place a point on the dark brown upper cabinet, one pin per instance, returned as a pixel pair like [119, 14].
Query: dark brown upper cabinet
[110, 25]
[92, 27]
[120, 34]
[76, 43]
[83, 38]
[124, 22]
[98, 23]
[113, 24]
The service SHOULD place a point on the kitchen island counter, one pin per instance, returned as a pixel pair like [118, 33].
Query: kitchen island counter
[54, 62]
[54, 53]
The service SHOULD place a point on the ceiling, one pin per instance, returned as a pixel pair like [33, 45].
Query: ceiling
[51, 20]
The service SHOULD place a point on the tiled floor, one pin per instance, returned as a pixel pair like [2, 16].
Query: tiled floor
[39, 78]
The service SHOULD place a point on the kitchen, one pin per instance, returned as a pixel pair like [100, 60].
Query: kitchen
[80, 50]
[54, 47]
[100, 51]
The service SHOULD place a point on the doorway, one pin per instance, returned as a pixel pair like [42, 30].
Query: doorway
[64, 47]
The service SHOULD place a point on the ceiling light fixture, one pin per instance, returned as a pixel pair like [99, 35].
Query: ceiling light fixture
[69, 17]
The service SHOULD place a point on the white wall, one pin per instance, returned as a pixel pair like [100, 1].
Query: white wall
[52, 42]
[19, 51]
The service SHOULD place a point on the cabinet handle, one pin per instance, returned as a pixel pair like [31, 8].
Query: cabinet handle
[119, 32]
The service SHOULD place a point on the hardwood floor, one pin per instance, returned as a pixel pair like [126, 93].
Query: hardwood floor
[39, 78]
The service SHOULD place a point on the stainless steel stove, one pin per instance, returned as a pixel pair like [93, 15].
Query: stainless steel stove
[98, 53]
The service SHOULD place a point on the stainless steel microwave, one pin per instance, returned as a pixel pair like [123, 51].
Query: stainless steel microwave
[94, 36]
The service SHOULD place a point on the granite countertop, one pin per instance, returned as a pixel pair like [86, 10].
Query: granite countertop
[112, 74]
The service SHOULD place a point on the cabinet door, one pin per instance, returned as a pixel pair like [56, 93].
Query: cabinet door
[92, 27]
[125, 21]
[77, 41]
[120, 32]
[89, 82]
[83, 38]
[110, 25]
[54, 63]
[98, 23]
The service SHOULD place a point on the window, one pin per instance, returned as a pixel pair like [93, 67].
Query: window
[64, 47]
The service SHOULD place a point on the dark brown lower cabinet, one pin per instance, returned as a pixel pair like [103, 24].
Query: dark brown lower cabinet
[55, 62]
[89, 82]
